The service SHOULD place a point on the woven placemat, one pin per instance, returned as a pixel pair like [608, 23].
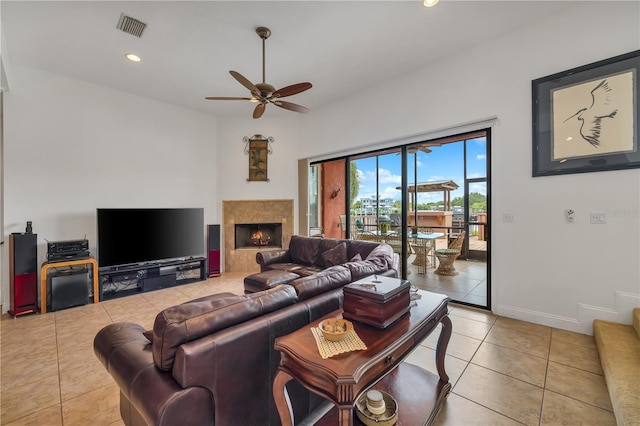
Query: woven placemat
[327, 348]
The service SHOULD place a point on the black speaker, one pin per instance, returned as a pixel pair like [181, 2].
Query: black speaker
[156, 283]
[23, 273]
[70, 288]
[213, 250]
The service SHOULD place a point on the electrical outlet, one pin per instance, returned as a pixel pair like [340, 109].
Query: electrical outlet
[508, 218]
[571, 216]
[598, 218]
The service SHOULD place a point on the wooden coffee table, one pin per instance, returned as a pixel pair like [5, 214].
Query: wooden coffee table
[342, 378]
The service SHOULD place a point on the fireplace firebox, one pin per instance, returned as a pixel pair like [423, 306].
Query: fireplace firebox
[258, 235]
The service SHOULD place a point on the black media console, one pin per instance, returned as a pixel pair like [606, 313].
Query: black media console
[131, 279]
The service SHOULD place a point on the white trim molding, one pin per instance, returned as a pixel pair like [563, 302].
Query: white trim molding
[583, 323]
[457, 129]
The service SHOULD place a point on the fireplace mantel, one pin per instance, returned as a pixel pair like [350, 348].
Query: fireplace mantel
[248, 212]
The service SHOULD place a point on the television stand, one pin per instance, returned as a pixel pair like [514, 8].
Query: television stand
[119, 281]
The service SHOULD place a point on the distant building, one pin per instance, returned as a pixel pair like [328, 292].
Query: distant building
[371, 204]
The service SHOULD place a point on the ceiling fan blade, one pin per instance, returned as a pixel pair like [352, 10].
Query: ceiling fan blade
[226, 98]
[291, 90]
[246, 83]
[290, 106]
[259, 110]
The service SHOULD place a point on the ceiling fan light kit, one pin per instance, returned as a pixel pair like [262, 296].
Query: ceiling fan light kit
[265, 93]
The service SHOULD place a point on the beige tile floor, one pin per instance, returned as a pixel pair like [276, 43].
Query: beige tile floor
[503, 371]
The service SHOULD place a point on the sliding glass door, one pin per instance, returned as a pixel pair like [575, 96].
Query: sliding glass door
[422, 199]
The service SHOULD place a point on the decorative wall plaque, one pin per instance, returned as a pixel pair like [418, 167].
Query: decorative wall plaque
[258, 148]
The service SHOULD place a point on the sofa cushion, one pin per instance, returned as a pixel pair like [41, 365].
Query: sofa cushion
[305, 271]
[289, 267]
[322, 282]
[302, 270]
[335, 256]
[329, 243]
[267, 279]
[360, 246]
[364, 268]
[197, 318]
[304, 250]
[356, 258]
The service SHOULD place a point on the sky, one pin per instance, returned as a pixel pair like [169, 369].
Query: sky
[444, 162]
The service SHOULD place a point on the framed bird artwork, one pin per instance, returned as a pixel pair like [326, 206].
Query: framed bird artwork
[586, 119]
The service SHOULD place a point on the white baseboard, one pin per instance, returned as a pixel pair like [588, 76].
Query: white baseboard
[622, 312]
[624, 304]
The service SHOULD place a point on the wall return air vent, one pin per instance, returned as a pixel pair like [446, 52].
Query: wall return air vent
[131, 25]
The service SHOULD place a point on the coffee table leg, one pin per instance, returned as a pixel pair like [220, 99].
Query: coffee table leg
[281, 398]
[346, 416]
[441, 349]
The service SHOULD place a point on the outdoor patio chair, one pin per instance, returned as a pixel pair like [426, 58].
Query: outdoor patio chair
[395, 241]
[421, 247]
[447, 256]
[369, 236]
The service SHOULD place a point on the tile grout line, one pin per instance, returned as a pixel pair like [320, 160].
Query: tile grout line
[55, 327]
[466, 367]
[546, 372]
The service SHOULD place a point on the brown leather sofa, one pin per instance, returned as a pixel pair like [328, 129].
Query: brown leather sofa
[211, 361]
[307, 256]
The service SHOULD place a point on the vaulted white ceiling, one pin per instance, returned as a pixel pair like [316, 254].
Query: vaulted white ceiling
[188, 48]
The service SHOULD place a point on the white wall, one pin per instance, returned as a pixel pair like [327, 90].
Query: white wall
[233, 164]
[71, 147]
[543, 269]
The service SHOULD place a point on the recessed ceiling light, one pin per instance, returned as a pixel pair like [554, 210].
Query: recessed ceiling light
[429, 3]
[133, 57]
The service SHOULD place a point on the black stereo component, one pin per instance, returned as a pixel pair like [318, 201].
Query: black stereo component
[69, 246]
[67, 250]
[69, 288]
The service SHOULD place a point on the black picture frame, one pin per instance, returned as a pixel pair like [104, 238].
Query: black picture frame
[586, 119]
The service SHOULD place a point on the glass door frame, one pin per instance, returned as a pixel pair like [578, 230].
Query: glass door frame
[405, 151]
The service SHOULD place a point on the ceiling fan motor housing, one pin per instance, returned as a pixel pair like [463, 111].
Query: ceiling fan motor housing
[263, 32]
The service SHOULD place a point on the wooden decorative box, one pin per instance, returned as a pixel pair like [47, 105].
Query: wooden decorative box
[377, 301]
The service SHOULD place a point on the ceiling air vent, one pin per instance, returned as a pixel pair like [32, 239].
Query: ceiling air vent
[131, 25]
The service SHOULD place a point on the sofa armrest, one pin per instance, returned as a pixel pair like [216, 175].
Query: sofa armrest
[395, 264]
[153, 394]
[265, 258]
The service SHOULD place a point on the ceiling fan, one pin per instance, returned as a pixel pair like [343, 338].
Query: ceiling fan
[264, 93]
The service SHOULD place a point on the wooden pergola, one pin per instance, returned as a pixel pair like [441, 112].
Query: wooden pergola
[444, 186]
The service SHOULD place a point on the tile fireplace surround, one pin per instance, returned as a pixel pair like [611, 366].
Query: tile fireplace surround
[252, 211]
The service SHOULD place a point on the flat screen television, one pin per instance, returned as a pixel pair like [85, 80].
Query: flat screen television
[140, 235]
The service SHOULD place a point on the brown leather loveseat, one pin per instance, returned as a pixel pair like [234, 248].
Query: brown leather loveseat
[211, 361]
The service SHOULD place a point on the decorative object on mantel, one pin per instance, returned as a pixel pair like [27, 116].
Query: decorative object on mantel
[258, 148]
[586, 119]
[264, 93]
